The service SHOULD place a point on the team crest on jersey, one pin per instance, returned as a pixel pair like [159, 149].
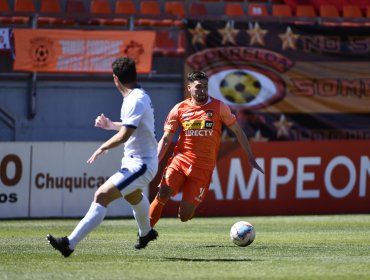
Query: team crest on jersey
[198, 128]
[209, 113]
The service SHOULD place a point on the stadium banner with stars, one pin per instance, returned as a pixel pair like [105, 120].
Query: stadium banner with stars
[286, 81]
[45, 50]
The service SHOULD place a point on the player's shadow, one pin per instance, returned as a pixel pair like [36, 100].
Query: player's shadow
[217, 246]
[207, 260]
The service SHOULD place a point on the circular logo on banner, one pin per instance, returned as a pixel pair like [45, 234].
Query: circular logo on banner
[250, 87]
[134, 50]
[41, 51]
[240, 86]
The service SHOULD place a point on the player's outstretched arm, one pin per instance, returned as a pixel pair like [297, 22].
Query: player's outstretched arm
[243, 141]
[164, 143]
[117, 139]
[103, 122]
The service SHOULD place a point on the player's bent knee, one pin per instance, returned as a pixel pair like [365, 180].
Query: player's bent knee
[106, 194]
[100, 198]
[165, 192]
[135, 197]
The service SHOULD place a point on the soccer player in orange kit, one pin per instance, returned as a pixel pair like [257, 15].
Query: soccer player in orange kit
[190, 168]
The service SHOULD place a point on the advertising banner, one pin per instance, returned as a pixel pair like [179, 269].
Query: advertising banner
[301, 177]
[14, 180]
[52, 179]
[45, 50]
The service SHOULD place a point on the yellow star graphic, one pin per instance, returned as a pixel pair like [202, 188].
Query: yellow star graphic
[228, 33]
[289, 39]
[283, 127]
[257, 34]
[258, 137]
[199, 34]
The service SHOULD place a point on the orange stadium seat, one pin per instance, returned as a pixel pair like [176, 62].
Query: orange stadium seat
[75, 7]
[51, 7]
[330, 15]
[4, 8]
[23, 6]
[352, 11]
[123, 9]
[197, 9]
[257, 9]
[328, 11]
[175, 9]
[77, 11]
[305, 11]
[234, 9]
[151, 9]
[100, 7]
[281, 10]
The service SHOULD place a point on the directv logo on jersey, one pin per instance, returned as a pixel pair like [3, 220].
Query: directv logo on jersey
[199, 132]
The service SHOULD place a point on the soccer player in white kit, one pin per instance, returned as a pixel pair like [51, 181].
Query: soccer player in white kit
[138, 167]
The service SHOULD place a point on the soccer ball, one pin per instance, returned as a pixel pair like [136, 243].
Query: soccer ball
[240, 87]
[242, 233]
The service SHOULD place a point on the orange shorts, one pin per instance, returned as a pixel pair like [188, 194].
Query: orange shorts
[193, 184]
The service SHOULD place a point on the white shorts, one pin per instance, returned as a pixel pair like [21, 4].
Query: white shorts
[135, 173]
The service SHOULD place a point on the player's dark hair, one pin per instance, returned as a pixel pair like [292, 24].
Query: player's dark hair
[197, 76]
[125, 69]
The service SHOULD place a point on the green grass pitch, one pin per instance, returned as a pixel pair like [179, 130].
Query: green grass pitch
[286, 247]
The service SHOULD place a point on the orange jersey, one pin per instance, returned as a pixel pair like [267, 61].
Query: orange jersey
[200, 134]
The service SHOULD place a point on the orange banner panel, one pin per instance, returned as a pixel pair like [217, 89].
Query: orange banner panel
[45, 50]
[306, 177]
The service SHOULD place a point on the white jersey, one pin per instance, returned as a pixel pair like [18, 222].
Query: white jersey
[137, 112]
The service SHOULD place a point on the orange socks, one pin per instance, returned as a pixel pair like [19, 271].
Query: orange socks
[156, 208]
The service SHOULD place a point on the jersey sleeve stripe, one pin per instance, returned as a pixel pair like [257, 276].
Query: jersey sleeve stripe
[130, 126]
